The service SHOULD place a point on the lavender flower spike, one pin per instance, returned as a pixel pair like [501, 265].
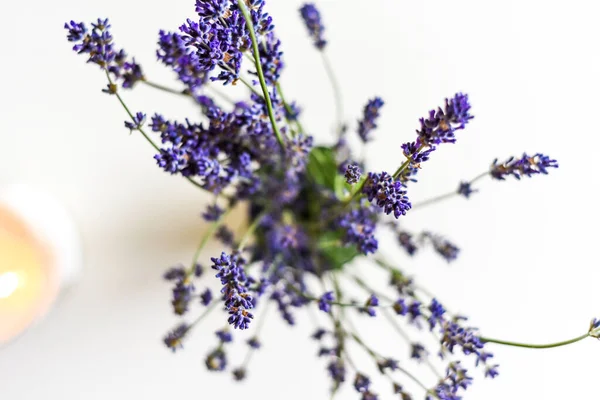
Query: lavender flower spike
[524, 166]
[387, 193]
[312, 19]
[370, 116]
[441, 125]
[235, 291]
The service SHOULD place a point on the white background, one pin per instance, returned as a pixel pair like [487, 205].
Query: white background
[528, 269]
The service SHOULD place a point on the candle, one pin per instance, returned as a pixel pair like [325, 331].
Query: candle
[39, 253]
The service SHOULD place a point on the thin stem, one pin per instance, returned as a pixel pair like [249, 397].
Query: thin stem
[193, 182]
[448, 195]
[288, 108]
[333, 393]
[405, 336]
[347, 355]
[140, 129]
[259, 326]
[370, 290]
[534, 346]
[249, 86]
[339, 332]
[402, 168]
[406, 163]
[417, 381]
[220, 94]
[207, 311]
[434, 200]
[337, 93]
[312, 316]
[205, 238]
[425, 291]
[396, 326]
[261, 76]
[375, 355]
[339, 328]
[333, 303]
[166, 89]
[251, 230]
[358, 190]
[110, 81]
[186, 93]
[241, 79]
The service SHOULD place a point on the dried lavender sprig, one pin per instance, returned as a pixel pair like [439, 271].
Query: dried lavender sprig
[525, 166]
[358, 190]
[259, 72]
[438, 128]
[231, 273]
[113, 90]
[312, 19]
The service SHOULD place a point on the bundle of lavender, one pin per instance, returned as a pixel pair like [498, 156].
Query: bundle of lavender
[312, 209]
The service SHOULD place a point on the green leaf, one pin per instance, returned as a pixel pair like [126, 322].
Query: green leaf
[336, 254]
[322, 167]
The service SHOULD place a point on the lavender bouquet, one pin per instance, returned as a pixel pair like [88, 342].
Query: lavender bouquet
[312, 209]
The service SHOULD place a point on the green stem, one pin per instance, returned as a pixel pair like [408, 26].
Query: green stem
[478, 177]
[204, 314]
[261, 76]
[205, 238]
[434, 200]
[249, 86]
[220, 94]
[165, 88]
[375, 356]
[402, 168]
[405, 336]
[185, 91]
[288, 108]
[259, 326]
[337, 93]
[333, 303]
[406, 163]
[534, 346]
[140, 129]
[358, 190]
[251, 230]
[370, 290]
[110, 81]
[449, 195]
